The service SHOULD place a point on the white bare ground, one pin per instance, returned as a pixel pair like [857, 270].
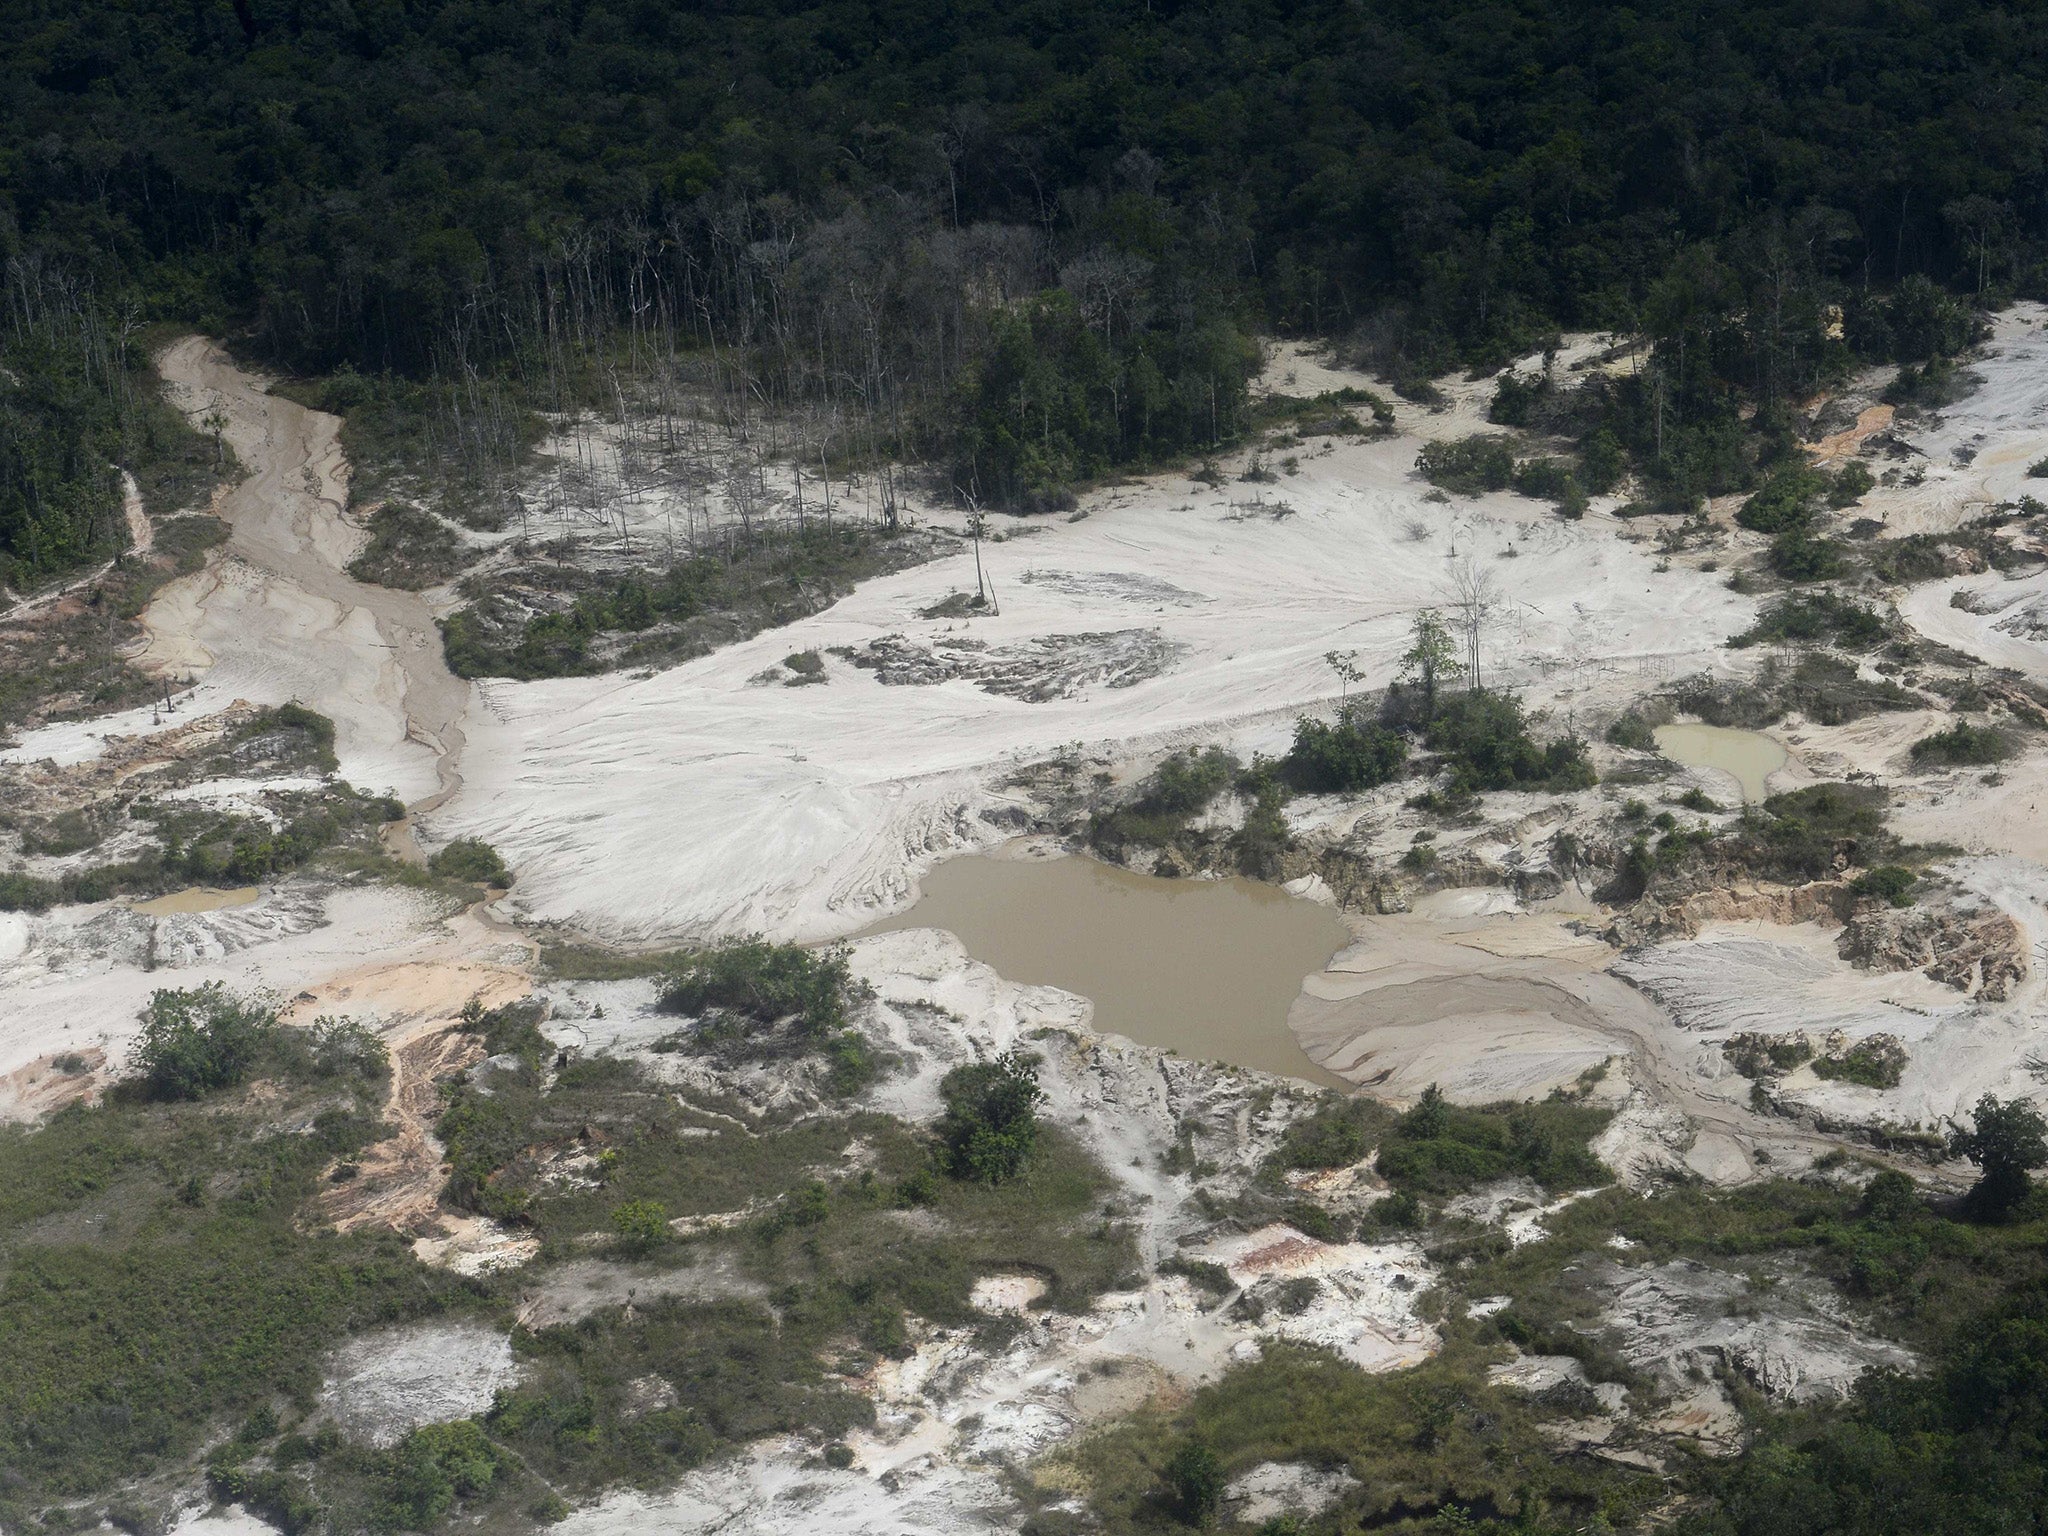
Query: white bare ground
[77, 978]
[688, 803]
[379, 1386]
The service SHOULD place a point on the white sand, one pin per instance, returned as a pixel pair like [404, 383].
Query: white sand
[691, 804]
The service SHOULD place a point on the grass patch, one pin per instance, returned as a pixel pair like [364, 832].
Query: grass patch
[1440, 1149]
[156, 1278]
[1826, 689]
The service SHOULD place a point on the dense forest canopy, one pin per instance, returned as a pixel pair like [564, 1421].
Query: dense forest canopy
[1029, 239]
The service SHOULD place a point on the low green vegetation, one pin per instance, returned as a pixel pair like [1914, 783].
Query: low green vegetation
[1636, 729]
[156, 1280]
[1917, 557]
[1184, 785]
[1332, 413]
[408, 548]
[1470, 466]
[1827, 689]
[1436, 1150]
[755, 1000]
[472, 861]
[1873, 1063]
[1435, 1448]
[1890, 883]
[196, 844]
[1352, 753]
[1816, 618]
[1439, 1149]
[1481, 740]
[1483, 737]
[773, 575]
[1962, 745]
[1797, 835]
[1798, 556]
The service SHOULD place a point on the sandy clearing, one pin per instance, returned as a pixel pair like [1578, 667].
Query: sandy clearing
[1978, 449]
[87, 1003]
[689, 804]
[383, 1384]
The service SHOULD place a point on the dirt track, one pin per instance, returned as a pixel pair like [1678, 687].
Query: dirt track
[280, 608]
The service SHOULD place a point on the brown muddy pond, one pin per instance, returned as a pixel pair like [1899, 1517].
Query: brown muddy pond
[1747, 757]
[197, 898]
[1206, 968]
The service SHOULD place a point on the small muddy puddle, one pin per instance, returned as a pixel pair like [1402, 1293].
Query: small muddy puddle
[1207, 968]
[198, 898]
[1748, 757]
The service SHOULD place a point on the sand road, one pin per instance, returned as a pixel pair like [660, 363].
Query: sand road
[278, 617]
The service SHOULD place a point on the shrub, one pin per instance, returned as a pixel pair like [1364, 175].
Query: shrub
[2038, 470]
[991, 1122]
[640, 1225]
[1800, 833]
[1486, 738]
[1186, 782]
[753, 982]
[1353, 753]
[1891, 1197]
[1338, 1134]
[1438, 1148]
[1552, 480]
[1179, 789]
[1889, 882]
[1963, 745]
[1258, 844]
[473, 861]
[1194, 1483]
[197, 1040]
[1784, 502]
[1798, 556]
[1815, 616]
[763, 982]
[1632, 731]
[1468, 465]
[430, 1469]
[1514, 399]
[1851, 485]
[1876, 1062]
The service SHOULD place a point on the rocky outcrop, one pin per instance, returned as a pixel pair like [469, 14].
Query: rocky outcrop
[1979, 951]
[1653, 920]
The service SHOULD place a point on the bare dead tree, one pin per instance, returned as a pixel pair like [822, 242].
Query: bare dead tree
[1473, 597]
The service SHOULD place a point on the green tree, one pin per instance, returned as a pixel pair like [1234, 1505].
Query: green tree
[200, 1039]
[640, 1225]
[1194, 1483]
[1430, 1118]
[1430, 656]
[2007, 1141]
[991, 1122]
